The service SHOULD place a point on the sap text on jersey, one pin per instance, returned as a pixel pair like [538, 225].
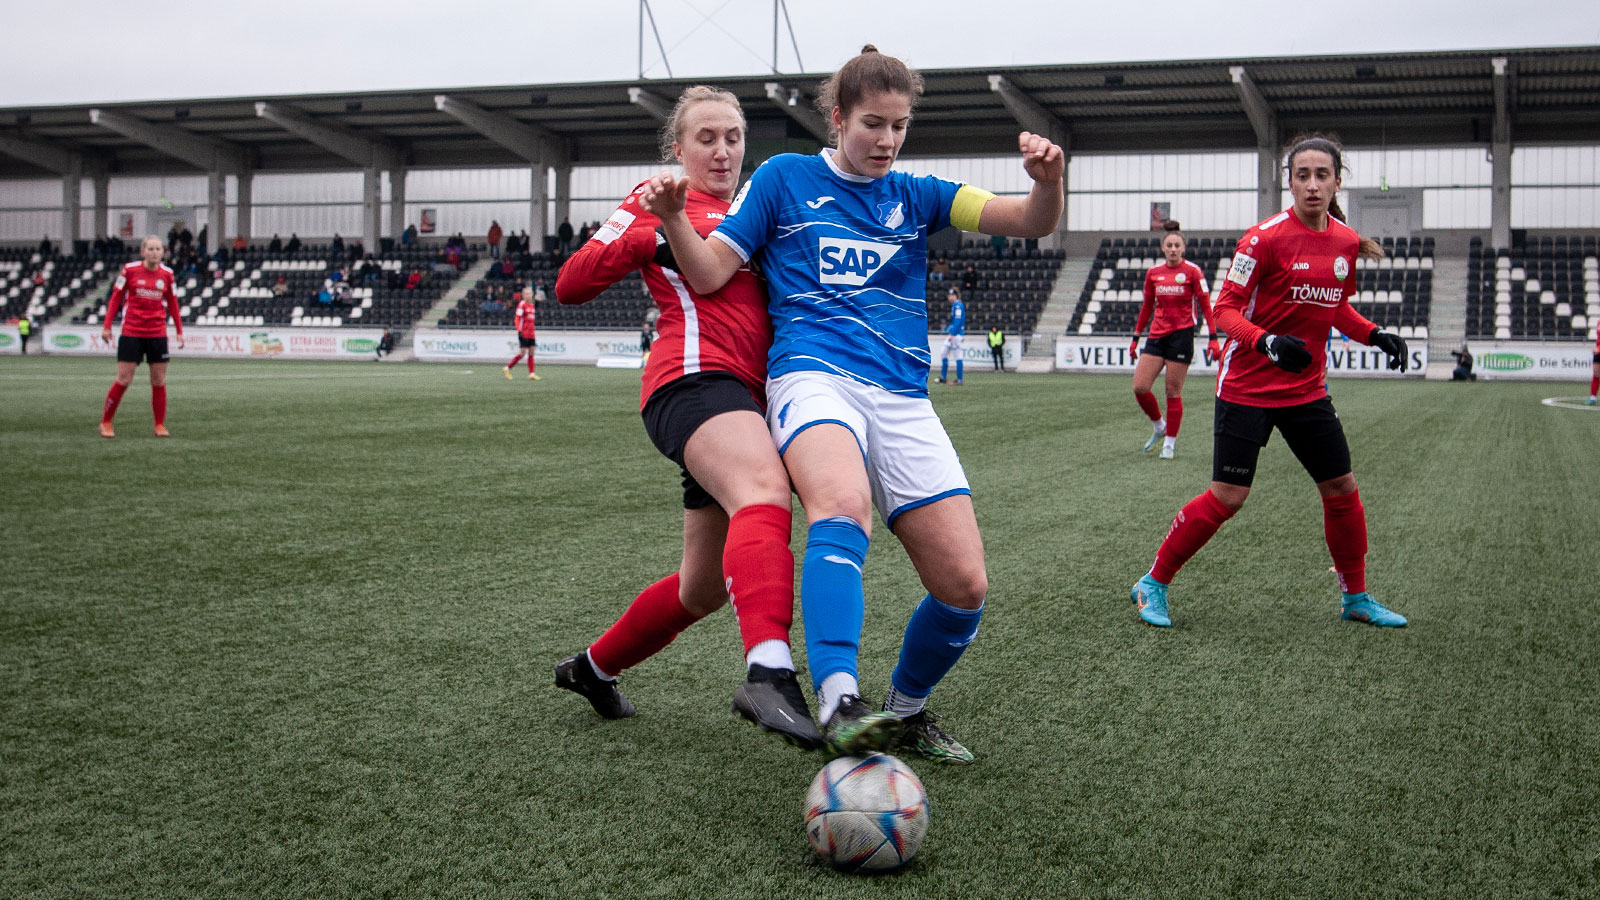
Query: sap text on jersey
[1316, 295]
[849, 262]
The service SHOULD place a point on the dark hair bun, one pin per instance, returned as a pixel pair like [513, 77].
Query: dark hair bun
[869, 49]
[1171, 225]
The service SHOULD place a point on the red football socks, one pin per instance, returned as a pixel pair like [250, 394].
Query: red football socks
[1191, 528]
[530, 363]
[759, 568]
[1147, 402]
[113, 398]
[1174, 415]
[1594, 385]
[1344, 522]
[158, 403]
[514, 360]
[652, 620]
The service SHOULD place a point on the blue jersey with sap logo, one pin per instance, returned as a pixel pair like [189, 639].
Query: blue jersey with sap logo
[845, 257]
[958, 318]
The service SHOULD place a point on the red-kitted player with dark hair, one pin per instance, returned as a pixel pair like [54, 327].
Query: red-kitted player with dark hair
[1173, 291]
[145, 290]
[1291, 279]
[703, 400]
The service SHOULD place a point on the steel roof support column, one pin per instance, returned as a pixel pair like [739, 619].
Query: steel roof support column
[1269, 183]
[71, 206]
[397, 202]
[564, 195]
[538, 207]
[216, 209]
[1500, 150]
[1032, 116]
[102, 207]
[243, 212]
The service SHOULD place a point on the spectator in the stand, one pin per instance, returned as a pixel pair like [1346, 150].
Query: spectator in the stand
[337, 247]
[538, 293]
[492, 303]
[201, 243]
[38, 278]
[1463, 370]
[564, 235]
[385, 344]
[240, 244]
[172, 237]
[969, 278]
[294, 243]
[99, 247]
[414, 279]
[409, 236]
[508, 269]
[354, 250]
[275, 245]
[45, 247]
[939, 269]
[280, 288]
[495, 233]
[337, 275]
[522, 242]
[452, 254]
[325, 296]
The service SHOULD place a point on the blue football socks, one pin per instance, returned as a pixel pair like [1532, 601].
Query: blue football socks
[832, 601]
[961, 367]
[944, 368]
[936, 636]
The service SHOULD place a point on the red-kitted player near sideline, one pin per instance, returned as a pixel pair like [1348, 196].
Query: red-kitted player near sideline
[1291, 279]
[145, 290]
[523, 320]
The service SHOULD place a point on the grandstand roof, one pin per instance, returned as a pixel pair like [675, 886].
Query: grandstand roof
[1401, 99]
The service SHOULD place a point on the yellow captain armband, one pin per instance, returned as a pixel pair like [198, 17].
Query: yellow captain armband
[967, 207]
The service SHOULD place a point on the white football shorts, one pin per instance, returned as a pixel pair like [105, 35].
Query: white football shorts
[952, 345]
[909, 458]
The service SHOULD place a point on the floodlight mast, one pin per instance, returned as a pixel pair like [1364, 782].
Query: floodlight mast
[781, 6]
[645, 11]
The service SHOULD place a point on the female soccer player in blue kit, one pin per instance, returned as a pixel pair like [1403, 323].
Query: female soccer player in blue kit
[845, 256]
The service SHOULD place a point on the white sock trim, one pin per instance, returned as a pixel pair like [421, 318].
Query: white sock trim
[1170, 442]
[772, 653]
[903, 705]
[603, 676]
[833, 688]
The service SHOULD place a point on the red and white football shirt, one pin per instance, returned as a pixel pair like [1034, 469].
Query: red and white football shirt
[1173, 293]
[1286, 279]
[524, 319]
[727, 330]
[149, 297]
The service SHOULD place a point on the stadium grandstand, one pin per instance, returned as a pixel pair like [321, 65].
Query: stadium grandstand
[1479, 170]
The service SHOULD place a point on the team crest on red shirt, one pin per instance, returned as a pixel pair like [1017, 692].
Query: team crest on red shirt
[160, 285]
[1341, 268]
[1180, 278]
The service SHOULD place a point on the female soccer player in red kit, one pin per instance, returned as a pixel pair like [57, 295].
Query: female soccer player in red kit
[523, 320]
[1594, 382]
[1172, 293]
[146, 291]
[1291, 279]
[703, 399]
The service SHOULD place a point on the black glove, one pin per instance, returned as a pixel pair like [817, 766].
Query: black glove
[1393, 346]
[1286, 351]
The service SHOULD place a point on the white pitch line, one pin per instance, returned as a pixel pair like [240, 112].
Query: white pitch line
[1570, 403]
[262, 376]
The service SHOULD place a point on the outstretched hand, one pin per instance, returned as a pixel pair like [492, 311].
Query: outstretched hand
[1044, 161]
[664, 194]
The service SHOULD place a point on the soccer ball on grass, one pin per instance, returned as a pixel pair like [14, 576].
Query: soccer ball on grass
[866, 813]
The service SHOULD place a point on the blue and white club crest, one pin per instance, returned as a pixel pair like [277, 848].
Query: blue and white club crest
[892, 214]
[1341, 269]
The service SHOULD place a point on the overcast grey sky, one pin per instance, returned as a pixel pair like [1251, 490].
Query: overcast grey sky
[80, 51]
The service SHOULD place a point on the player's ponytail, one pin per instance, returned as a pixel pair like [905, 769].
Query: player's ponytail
[869, 73]
[1329, 144]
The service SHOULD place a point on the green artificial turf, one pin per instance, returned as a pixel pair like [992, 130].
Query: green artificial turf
[304, 649]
